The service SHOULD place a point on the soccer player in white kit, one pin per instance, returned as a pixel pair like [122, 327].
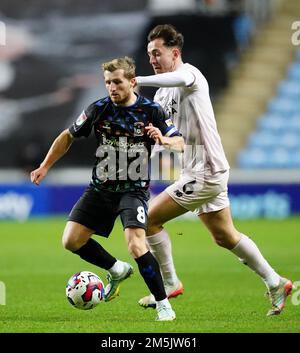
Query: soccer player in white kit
[202, 186]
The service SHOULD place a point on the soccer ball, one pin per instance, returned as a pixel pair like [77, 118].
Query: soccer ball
[85, 290]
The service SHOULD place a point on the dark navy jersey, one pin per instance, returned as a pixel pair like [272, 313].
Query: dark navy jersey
[123, 146]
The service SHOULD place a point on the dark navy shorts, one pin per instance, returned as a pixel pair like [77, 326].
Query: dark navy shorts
[98, 210]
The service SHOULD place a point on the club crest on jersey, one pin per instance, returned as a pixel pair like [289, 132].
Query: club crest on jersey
[81, 119]
[138, 128]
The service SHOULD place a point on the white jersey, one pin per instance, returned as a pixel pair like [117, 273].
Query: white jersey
[192, 113]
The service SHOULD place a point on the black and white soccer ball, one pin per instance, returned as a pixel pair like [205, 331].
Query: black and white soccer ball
[85, 290]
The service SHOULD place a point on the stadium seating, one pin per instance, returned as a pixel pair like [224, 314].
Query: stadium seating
[289, 89]
[294, 71]
[276, 141]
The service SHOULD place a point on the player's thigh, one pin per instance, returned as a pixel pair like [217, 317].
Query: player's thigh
[163, 208]
[186, 194]
[219, 223]
[96, 210]
[75, 235]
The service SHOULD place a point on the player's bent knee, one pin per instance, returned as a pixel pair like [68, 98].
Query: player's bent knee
[70, 243]
[224, 240]
[133, 249]
[136, 248]
[153, 228]
[220, 242]
[136, 241]
[67, 244]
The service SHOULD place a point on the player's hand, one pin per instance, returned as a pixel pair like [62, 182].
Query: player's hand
[154, 133]
[37, 175]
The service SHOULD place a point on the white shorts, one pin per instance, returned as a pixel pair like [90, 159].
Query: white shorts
[201, 197]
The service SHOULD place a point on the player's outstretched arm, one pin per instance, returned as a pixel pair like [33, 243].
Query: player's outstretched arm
[175, 143]
[179, 78]
[58, 148]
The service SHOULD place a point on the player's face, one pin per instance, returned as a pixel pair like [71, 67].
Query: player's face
[161, 58]
[118, 86]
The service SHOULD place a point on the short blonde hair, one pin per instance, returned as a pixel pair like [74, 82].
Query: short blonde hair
[127, 64]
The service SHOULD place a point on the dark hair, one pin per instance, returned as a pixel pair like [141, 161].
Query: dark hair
[127, 64]
[170, 35]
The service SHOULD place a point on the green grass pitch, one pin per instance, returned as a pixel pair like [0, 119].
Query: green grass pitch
[221, 294]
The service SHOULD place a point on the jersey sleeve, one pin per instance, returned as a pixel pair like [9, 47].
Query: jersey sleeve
[84, 123]
[179, 78]
[164, 123]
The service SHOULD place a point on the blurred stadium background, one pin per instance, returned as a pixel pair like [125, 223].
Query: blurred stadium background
[50, 55]
[50, 58]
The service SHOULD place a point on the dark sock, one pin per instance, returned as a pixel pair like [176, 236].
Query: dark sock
[149, 269]
[95, 254]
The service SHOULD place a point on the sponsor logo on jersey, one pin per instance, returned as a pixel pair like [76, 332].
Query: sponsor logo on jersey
[123, 143]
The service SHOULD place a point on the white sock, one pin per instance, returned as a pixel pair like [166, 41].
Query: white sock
[248, 252]
[117, 269]
[164, 302]
[161, 247]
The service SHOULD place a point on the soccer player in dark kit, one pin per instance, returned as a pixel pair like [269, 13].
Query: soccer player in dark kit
[126, 125]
